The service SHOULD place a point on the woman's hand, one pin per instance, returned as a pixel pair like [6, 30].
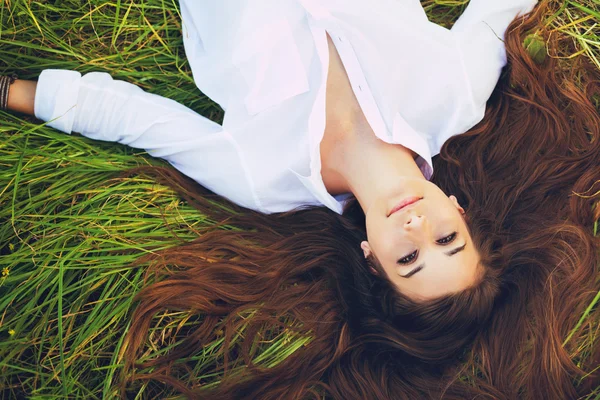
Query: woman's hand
[21, 96]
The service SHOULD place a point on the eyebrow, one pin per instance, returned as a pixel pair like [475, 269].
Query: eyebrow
[448, 253]
[456, 250]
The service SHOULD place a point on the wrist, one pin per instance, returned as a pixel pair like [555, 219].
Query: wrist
[21, 96]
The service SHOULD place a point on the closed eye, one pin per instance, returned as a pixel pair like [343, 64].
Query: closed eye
[447, 239]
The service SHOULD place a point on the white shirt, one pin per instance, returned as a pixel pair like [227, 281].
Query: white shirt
[266, 62]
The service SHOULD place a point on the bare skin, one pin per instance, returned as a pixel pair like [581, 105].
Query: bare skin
[21, 96]
[347, 131]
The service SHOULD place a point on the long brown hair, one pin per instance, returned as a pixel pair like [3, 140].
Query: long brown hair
[526, 174]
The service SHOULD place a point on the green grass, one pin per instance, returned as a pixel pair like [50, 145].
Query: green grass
[70, 226]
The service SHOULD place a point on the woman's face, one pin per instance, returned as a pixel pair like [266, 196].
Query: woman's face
[421, 239]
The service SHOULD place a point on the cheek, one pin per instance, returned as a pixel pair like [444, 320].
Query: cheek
[445, 213]
[377, 225]
[371, 229]
[382, 244]
[393, 247]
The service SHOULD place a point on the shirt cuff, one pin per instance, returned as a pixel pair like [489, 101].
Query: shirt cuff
[56, 98]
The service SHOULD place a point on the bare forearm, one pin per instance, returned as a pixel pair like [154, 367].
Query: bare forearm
[21, 96]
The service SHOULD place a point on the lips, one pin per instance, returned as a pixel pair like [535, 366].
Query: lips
[404, 203]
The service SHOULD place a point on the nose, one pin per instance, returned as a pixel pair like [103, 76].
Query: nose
[414, 222]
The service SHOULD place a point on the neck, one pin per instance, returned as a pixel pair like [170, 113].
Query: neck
[358, 162]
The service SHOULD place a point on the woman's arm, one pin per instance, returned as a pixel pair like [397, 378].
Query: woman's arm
[101, 108]
[21, 96]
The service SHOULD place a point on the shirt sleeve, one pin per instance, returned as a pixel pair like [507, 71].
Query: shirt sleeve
[101, 108]
[480, 35]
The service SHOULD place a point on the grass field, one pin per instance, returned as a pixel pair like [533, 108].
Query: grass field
[70, 226]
